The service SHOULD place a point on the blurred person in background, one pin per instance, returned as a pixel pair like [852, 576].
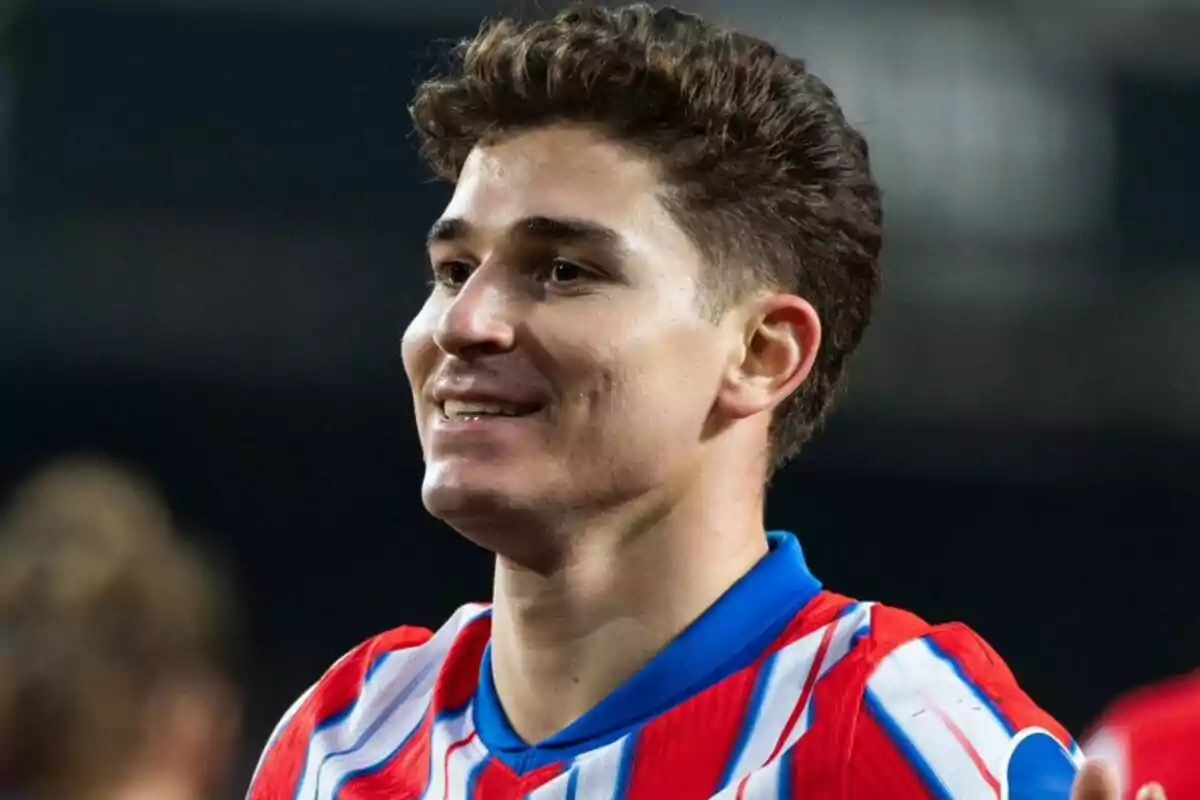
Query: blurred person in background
[114, 645]
[1152, 734]
[661, 250]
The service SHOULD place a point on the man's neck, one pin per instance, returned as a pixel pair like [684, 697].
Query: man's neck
[563, 642]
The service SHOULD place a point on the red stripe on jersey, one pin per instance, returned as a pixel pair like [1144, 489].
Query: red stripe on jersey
[406, 775]
[684, 752]
[498, 782]
[961, 738]
[878, 768]
[493, 782]
[825, 761]
[451, 750]
[821, 610]
[458, 677]
[806, 692]
[810, 682]
[333, 695]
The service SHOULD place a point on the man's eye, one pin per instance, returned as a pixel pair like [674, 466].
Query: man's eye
[452, 273]
[562, 271]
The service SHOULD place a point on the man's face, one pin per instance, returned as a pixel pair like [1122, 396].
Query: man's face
[563, 360]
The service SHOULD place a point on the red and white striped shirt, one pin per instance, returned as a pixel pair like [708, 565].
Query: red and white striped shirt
[780, 690]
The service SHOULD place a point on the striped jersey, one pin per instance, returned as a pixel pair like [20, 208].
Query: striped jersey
[780, 690]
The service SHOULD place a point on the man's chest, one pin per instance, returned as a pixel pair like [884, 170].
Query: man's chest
[450, 762]
[409, 733]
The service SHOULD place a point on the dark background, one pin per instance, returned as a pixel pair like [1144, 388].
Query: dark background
[210, 241]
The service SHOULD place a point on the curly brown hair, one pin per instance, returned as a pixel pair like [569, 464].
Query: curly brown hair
[760, 166]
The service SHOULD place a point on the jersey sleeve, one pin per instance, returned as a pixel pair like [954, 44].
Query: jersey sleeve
[283, 759]
[943, 717]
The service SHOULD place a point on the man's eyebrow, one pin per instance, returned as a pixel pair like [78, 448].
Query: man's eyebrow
[549, 229]
[449, 229]
[567, 231]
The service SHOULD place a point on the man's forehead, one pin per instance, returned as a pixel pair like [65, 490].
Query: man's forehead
[575, 175]
[549, 150]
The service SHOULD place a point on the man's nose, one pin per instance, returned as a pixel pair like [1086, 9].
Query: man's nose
[479, 320]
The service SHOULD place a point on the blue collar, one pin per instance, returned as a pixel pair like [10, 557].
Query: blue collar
[726, 638]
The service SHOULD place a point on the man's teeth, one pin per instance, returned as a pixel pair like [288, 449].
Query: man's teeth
[460, 408]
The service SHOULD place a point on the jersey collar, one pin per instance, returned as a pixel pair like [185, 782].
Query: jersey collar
[726, 638]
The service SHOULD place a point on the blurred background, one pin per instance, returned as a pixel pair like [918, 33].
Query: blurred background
[211, 224]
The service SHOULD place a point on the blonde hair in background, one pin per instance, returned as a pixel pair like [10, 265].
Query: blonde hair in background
[102, 607]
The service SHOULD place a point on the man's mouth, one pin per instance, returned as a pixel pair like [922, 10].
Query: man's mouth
[466, 410]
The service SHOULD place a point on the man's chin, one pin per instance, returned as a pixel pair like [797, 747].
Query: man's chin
[472, 500]
[506, 524]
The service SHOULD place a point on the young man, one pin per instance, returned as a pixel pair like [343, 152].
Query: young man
[661, 250]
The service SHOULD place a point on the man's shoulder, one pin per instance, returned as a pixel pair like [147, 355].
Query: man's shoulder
[400, 650]
[883, 703]
[931, 666]
[937, 708]
[388, 680]
[900, 643]
[857, 634]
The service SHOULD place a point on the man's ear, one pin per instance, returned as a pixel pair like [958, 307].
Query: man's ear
[780, 337]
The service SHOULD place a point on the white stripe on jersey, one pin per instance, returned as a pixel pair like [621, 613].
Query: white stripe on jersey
[553, 789]
[854, 624]
[926, 706]
[600, 770]
[594, 774]
[390, 705]
[287, 717]
[403, 714]
[454, 750]
[764, 784]
[790, 670]
[462, 764]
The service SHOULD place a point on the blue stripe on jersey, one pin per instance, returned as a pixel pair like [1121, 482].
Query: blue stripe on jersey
[346, 714]
[753, 710]
[373, 728]
[376, 664]
[371, 769]
[573, 783]
[864, 627]
[473, 780]
[329, 722]
[785, 774]
[907, 748]
[625, 770]
[969, 683]
[861, 631]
